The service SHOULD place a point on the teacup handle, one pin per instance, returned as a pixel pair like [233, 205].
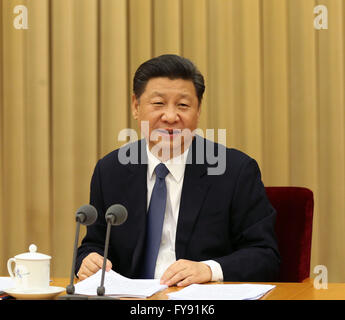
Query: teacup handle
[9, 267]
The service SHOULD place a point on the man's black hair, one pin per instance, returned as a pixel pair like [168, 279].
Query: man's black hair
[170, 66]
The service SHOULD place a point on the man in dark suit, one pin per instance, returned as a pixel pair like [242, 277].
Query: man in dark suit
[216, 221]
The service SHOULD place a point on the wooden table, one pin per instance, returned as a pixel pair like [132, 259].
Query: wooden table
[283, 291]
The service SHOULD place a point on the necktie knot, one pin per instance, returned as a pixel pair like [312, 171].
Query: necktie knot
[161, 171]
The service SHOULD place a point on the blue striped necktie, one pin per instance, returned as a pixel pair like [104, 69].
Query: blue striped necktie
[155, 219]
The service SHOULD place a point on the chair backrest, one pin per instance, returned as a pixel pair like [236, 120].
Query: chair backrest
[294, 206]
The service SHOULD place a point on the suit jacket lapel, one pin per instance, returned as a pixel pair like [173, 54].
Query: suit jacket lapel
[194, 192]
[136, 190]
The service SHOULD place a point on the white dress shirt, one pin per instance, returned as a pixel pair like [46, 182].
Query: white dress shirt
[174, 183]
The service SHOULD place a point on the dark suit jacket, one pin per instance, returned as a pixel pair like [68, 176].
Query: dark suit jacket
[226, 217]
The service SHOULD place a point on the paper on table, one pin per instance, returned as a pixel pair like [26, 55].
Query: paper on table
[221, 292]
[119, 286]
[6, 283]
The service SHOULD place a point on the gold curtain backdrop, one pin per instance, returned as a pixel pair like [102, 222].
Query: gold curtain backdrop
[273, 81]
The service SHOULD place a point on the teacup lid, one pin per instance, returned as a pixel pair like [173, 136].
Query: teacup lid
[32, 254]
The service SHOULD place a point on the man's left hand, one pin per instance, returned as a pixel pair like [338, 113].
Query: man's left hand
[186, 272]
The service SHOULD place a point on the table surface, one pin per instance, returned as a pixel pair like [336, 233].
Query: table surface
[283, 291]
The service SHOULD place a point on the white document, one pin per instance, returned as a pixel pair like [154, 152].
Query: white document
[119, 286]
[221, 292]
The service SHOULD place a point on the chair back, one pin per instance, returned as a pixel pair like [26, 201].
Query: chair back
[294, 206]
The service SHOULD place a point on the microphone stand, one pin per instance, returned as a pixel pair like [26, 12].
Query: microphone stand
[70, 288]
[101, 289]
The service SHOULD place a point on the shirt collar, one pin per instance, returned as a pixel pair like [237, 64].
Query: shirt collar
[176, 166]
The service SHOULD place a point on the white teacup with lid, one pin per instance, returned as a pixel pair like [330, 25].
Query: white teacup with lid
[31, 270]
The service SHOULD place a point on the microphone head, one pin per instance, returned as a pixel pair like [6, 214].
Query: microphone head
[116, 214]
[86, 214]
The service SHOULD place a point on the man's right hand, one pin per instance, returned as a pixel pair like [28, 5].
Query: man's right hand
[91, 264]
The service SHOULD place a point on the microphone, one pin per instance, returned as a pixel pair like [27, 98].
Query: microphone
[86, 215]
[116, 215]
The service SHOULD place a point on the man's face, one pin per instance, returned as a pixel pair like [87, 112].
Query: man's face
[168, 107]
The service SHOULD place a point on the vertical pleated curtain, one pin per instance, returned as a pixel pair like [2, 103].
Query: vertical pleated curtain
[273, 81]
